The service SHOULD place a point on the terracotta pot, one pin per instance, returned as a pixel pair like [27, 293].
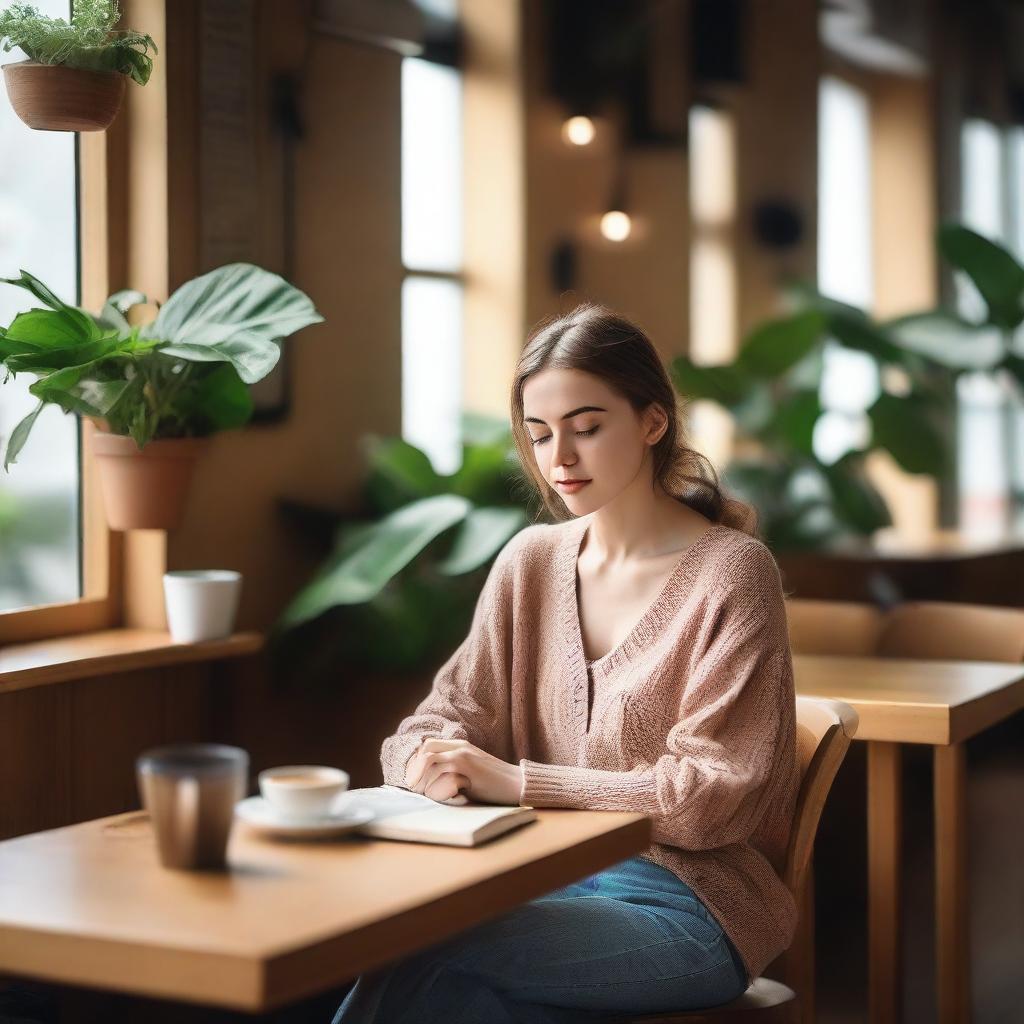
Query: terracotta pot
[55, 98]
[147, 489]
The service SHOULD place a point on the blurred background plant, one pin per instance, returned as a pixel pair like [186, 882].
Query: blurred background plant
[809, 490]
[34, 532]
[399, 587]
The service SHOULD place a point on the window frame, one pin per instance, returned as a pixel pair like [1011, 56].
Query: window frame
[101, 158]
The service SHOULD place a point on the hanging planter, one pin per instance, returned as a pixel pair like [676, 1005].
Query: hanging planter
[56, 98]
[155, 392]
[145, 488]
[74, 77]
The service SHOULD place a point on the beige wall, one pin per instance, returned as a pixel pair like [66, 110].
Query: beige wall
[345, 373]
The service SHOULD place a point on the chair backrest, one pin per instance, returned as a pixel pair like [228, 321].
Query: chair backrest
[832, 627]
[944, 629]
[824, 729]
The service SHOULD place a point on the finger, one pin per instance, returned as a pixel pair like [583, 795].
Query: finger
[436, 744]
[414, 768]
[437, 764]
[446, 786]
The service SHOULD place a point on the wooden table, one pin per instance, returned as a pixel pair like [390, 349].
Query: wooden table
[941, 703]
[89, 904]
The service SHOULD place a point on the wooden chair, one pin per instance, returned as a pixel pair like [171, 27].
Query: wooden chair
[824, 729]
[833, 627]
[944, 629]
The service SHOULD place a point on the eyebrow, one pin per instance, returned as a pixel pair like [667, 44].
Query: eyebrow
[568, 415]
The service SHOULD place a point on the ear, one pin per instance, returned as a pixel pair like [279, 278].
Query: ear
[655, 423]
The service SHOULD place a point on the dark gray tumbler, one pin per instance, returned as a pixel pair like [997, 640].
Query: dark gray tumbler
[190, 791]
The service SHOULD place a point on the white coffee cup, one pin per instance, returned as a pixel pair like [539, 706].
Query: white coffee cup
[302, 790]
[201, 603]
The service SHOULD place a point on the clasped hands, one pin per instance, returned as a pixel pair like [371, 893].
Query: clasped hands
[442, 769]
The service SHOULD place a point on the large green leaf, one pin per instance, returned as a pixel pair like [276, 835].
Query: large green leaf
[1015, 365]
[399, 472]
[863, 336]
[47, 297]
[66, 389]
[906, 428]
[995, 273]
[43, 361]
[234, 314]
[360, 574]
[795, 418]
[856, 502]
[20, 435]
[484, 474]
[779, 344]
[948, 339]
[222, 399]
[482, 534]
[49, 329]
[725, 384]
[252, 357]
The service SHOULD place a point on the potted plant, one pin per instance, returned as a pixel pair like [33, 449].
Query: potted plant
[156, 392]
[74, 77]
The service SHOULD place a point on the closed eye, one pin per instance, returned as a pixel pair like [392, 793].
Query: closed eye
[579, 433]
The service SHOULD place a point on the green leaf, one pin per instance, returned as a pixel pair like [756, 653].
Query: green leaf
[481, 536]
[117, 305]
[484, 474]
[20, 435]
[223, 399]
[44, 295]
[807, 296]
[779, 344]
[948, 339]
[253, 358]
[360, 574]
[43, 361]
[905, 428]
[1014, 364]
[237, 313]
[857, 503]
[795, 418]
[863, 336]
[399, 472]
[726, 384]
[995, 273]
[66, 389]
[49, 329]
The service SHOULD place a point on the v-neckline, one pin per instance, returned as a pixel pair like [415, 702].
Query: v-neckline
[648, 621]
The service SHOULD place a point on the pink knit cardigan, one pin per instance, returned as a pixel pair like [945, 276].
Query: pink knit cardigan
[689, 720]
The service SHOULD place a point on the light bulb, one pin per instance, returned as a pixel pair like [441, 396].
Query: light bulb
[616, 226]
[578, 131]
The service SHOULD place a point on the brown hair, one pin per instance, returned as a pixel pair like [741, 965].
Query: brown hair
[594, 339]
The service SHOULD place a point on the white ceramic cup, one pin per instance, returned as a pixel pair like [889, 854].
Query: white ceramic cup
[201, 603]
[302, 790]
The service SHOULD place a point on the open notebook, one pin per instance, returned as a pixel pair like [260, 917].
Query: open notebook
[401, 814]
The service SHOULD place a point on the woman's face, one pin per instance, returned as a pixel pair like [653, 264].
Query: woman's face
[582, 430]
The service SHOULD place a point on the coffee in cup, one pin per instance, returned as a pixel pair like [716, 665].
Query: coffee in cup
[303, 790]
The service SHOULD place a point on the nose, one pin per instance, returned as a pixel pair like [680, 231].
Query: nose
[565, 451]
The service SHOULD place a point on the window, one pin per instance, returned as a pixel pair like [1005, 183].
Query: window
[991, 420]
[40, 546]
[432, 291]
[713, 287]
[849, 383]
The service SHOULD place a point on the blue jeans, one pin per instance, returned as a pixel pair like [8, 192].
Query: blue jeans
[631, 939]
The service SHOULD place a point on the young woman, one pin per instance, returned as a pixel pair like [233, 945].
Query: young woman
[634, 656]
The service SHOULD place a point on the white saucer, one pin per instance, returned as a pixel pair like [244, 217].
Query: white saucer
[260, 816]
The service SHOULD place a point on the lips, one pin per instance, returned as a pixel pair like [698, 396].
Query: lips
[571, 486]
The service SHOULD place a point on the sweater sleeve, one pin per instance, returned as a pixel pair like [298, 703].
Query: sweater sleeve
[709, 788]
[469, 698]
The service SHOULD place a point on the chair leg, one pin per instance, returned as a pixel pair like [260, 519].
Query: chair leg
[797, 963]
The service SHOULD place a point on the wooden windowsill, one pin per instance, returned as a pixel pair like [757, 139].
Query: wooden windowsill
[107, 651]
